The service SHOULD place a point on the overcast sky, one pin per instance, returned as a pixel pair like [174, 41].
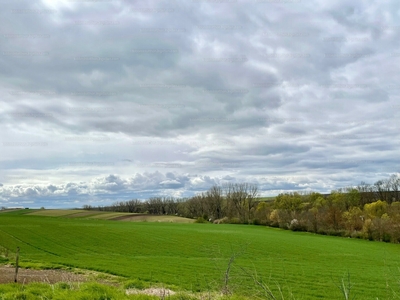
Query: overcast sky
[111, 100]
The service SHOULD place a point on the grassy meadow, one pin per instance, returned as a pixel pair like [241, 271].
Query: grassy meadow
[194, 257]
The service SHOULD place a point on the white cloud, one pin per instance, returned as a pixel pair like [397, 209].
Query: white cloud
[103, 101]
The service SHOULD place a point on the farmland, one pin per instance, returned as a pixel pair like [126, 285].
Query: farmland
[195, 256]
[108, 216]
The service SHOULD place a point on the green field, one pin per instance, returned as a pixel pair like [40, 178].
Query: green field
[194, 256]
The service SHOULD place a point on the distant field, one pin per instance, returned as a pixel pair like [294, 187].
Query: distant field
[266, 198]
[102, 215]
[194, 256]
[9, 210]
[54, 212]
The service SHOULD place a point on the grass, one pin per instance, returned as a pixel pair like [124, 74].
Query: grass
[268, 199]
[89, 291]
[66, 291]
[195, 256]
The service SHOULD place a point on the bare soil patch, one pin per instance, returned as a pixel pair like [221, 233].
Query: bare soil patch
[129, 217]
[48, 276]
[152, 218]
[83, 214]
[161, 292]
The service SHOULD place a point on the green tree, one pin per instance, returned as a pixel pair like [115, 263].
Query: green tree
[376, 209]
[291, 202]
[352, 198]
[378, 220]
[353, 219]
[263, 212]
[336, 204]
[316, 211]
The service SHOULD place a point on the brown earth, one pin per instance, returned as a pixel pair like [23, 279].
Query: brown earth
[161, 292]
[82, 214]
[9, 209]
[129, 217]
[7, 274]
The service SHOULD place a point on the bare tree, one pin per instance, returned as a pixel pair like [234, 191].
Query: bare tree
[394, 182]
[252, 194]
[215, 202]
[381, 188]
[366, 193]
[241, 196]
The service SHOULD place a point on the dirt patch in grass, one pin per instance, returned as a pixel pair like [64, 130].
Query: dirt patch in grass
[129, 217]
[153, 218]
[109, 215]
[83, 214]
[7, 274]
[160, 292]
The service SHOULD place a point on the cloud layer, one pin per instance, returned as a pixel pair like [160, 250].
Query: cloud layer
[113, 100]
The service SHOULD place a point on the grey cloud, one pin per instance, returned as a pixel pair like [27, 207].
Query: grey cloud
[172, 97]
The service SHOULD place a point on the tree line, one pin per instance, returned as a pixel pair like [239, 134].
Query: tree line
[369, 211]
[232, 201]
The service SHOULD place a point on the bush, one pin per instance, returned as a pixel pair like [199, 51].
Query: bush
[201, 220]
[295, 225]
[386, 237]
[333, 232]
[225, 220]
[235, 221]
[356, 235]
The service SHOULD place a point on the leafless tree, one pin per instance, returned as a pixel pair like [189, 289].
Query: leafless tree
[394, 182]
[241, 196]
[215, 202]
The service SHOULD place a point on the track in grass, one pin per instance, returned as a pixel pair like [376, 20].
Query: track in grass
[194, 256]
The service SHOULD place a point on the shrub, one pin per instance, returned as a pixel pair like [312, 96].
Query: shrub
[386, 237]
[234, 221]
[356, 235]
[295, 225]
[333, 232]
[225, 220]
[201, 220]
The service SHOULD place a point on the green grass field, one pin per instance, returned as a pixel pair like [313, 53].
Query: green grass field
[194, 256]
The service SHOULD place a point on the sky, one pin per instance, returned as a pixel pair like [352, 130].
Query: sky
[111, 100]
